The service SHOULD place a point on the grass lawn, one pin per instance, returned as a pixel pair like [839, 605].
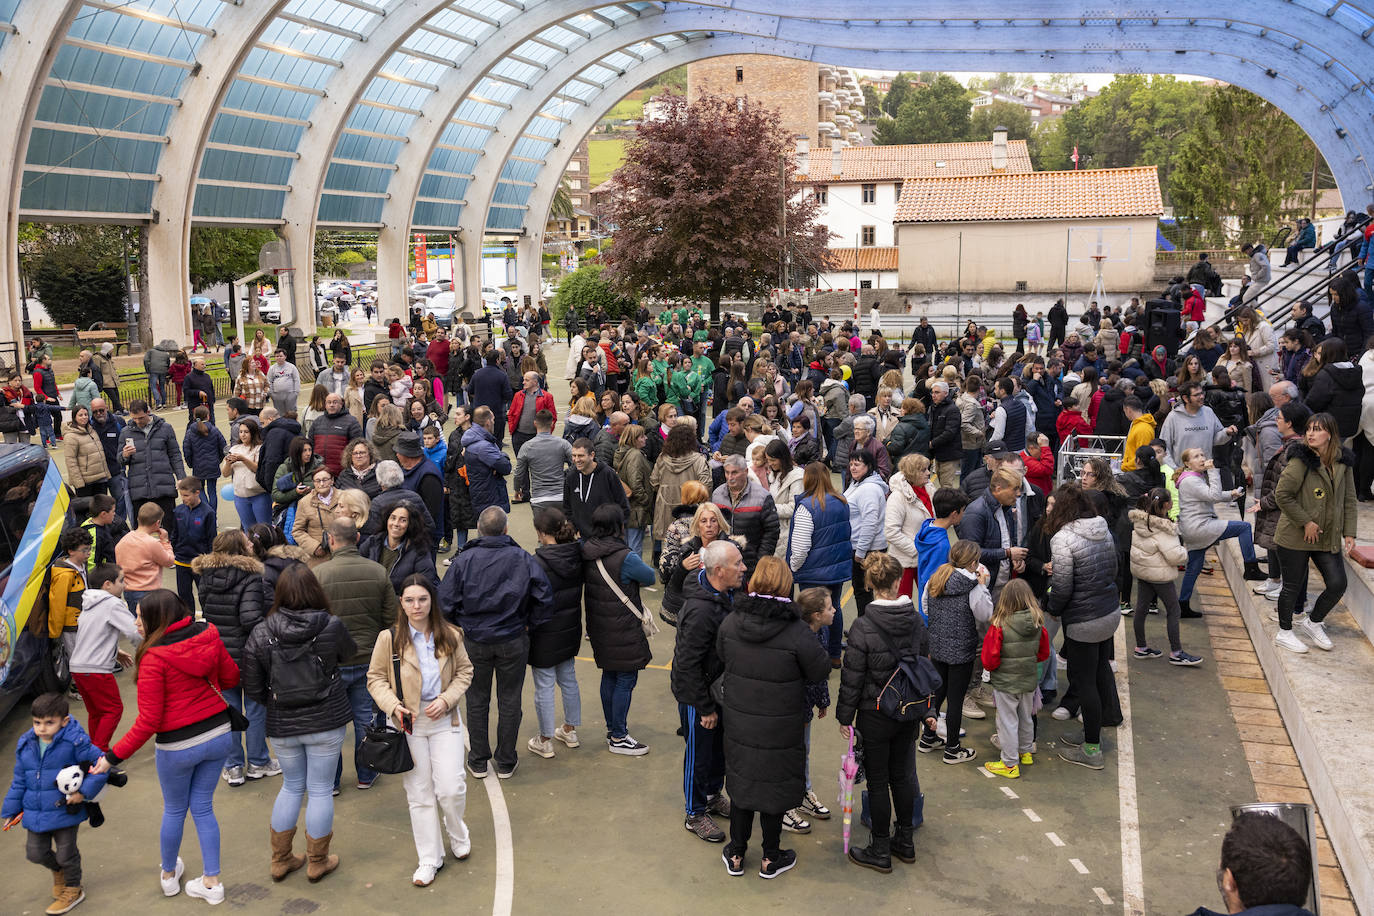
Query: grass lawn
[627, 109]
[606, 156]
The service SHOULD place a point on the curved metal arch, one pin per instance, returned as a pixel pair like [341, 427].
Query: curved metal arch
[28, 55]
[491, 166]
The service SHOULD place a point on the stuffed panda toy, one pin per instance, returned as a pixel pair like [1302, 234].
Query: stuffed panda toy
[69, 780]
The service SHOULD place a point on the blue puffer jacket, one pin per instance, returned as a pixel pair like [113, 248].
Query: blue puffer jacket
[487, 466]
[203, 454]
[34, 790]
[831, 557]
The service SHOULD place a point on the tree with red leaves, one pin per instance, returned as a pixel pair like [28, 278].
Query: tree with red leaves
[699, 203]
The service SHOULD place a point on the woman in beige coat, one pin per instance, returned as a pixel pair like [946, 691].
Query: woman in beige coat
[435, 673]
[907, 507]
[87, 470]
[314, 511]
[678, 463]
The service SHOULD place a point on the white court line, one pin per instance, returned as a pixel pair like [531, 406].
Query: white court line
[1006, 790]
[1054, 839]
[1132, 872]
[1034, 818]
[1078, 866]
[1102, 895]
[504, 900]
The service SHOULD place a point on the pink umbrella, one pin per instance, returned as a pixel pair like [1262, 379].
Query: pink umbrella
[849, 769]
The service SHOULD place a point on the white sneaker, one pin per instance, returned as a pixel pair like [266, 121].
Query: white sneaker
[1314, 631]
[943, 732]
[1268, 589]
[197, 888]
[567, 735]
[271, 768]
[1289, 640]
[541, 746]
[972, 710]
[1060, 713]
[172, 886]
[1112, 664]
[424, 876]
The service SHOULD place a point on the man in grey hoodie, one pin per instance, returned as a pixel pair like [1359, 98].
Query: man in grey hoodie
[1191, 424]
[157, 362]
[543, 461]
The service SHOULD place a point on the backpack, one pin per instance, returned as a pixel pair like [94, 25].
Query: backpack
[909, 694]
[296, 675]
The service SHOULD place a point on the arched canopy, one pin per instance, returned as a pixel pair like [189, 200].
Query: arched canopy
[439, 115]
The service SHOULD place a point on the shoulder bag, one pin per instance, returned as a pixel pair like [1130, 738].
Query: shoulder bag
[646, 620]
[384, 748]
[238, 722]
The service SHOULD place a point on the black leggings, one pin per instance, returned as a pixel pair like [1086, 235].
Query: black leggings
[1090, 677]
[1293, 563]
[742, 826]
[862, 596]
[890, 761]
[954, 681]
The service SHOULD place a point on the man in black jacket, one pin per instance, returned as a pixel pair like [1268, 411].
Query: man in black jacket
[277, 433]
[749, 510]
[588, 484]
[924, 335]
[199, 388]
[376, 384]
[1059, 323]
[946, 444]
[708, 597]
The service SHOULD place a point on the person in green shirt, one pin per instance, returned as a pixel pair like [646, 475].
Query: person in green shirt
[645, 383]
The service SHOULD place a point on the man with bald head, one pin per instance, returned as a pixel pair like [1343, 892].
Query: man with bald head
[331, 433]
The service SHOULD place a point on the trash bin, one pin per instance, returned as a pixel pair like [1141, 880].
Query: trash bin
[1300, 818]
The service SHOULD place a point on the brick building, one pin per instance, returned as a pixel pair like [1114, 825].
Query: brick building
[816, 101]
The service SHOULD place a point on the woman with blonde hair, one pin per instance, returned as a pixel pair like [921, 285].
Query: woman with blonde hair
[1260, 342]
[819, 552]
[353, 504]
[677, 464]
[434, 672]
[883, 415]
[708, 526]
[391, 422]
[581, 422]
[908, 505]
[353, 394]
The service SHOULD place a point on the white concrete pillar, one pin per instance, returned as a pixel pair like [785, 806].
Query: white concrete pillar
[167, 297]
[529, 254]
[393, 273]
[470, 273]
[297, 288]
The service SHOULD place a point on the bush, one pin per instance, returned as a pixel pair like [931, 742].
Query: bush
[584, 289]
[76, 288]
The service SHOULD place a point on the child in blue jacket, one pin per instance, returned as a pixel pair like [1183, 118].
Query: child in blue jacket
[55, 742]
[194, 535]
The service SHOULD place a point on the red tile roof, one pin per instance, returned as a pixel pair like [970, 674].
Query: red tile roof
[1084, 194]
[914, 160]
[870, 259]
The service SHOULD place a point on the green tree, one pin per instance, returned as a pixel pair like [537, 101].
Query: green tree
[873, 103]
[708, 205]
[1236, 166]
[78, 285]
[896, 94]
[586, 289]
[222, 255]
[1015, 118]
[938, 113]
[561, 207]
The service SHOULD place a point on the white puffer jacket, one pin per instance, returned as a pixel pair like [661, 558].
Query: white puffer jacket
[903, 518]
[1156, 552]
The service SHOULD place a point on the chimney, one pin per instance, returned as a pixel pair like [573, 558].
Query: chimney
[999, 149]
[803, 156]
[836, 157]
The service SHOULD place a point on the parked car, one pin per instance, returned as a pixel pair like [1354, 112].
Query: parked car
[424, 290]
[442, 307]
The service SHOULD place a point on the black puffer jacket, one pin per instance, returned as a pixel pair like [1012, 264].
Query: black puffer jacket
[231, 597]
[617, 636]
[278, 558]
[696, 661]
[155, 466]
[276, 442]
[1083, 586]
[333, 646]
[1227, 403]
[559, 639]
[865, 375]
[953, 632]
[409, 562]
[460, 514]
[945, 441]
[867, 662]
[1338, 389]
[769, 656]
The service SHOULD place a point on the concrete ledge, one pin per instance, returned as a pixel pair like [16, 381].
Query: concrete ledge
[1323, 699]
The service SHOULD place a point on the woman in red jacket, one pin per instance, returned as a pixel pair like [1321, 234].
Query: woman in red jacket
[182, 669]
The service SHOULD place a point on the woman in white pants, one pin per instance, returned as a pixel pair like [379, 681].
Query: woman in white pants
[435, 672]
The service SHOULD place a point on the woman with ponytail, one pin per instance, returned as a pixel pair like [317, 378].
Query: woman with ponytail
[957, 600]
[554, 644]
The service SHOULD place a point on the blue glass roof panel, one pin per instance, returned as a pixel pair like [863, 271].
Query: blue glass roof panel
[231, 165]
[381, 120]
[429, 213]
[131, 33]
[367, 149]
[443, 186]
[452, 160]
[84, 65]
[390, 92]
[241, 131]
[85, 193]
[346, 177]
[505, 193]
[213, 201]
[106, 112]
[344, 208]
[334, 13]
[464, 135]
[505, 218]
[274, 100]
[283, 68]
[83, 151]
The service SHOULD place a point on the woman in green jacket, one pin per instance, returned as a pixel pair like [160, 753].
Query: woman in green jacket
[645, 384]
[633, 469]
[1316, 497]
[292, 478]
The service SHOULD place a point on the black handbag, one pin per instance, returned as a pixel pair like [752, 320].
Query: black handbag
[238, 722]
[384, 748]
[909, 694]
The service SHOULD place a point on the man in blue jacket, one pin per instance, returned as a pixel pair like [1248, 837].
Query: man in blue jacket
[497, 593]
[490, 387]
[486, 464]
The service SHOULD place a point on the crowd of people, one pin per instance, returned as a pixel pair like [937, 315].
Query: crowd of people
[994, 510]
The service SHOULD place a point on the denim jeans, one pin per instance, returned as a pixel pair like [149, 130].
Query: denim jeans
[634, 539]
[188, 779]
[307, 765]
[1234, 529]
[506, 661]
[354, 678]
[564, 674]
[1049, 682]
[157, 389]
[119, 489]
[43, 414]
[1295, 570]
[256, 736]
[254, 509]
[617, 687]
[132, 598]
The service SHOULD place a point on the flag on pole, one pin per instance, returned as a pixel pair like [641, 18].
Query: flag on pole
[1074, 157]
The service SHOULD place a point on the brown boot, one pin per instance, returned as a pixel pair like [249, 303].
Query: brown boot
[66, 901]
[321, 862]
[283, 862]
[58, 883]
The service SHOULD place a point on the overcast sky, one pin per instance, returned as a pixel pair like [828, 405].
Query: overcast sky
[1092, 80]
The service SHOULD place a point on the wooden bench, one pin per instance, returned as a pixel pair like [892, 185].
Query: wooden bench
[85, 338]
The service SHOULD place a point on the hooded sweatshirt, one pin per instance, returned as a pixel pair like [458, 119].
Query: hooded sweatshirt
[867, 500]
[104, 618]
[932, 552]
[1142, 432]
